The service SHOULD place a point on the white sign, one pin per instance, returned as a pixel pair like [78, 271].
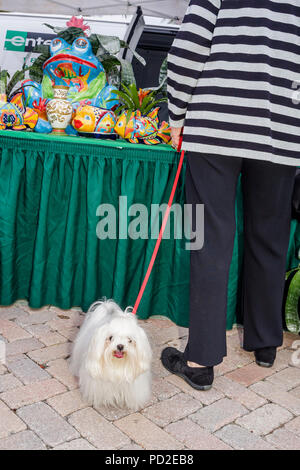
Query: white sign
[19, 34]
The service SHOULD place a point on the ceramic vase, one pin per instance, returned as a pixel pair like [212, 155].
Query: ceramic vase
[59, 110]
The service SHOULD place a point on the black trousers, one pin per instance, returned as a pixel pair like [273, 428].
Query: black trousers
[267, 193]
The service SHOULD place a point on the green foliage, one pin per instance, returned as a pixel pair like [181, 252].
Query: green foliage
[68, 34]
[162, 85]
[8, 83]
[163, 76]
[36, 69]
[4, 76]
[132, 100]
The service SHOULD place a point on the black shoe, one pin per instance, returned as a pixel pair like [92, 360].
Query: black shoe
[265, 357]
[200, 378]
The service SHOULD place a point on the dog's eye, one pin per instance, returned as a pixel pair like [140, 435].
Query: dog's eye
[110, 338]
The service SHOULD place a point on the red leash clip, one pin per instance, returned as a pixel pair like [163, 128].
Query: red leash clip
[163, 226]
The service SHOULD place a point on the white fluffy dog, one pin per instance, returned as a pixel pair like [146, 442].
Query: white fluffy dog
[112, 358]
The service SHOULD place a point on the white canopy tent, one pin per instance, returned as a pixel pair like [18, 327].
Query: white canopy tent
[173, 9]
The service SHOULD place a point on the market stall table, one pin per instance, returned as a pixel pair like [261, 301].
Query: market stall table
[50, 192]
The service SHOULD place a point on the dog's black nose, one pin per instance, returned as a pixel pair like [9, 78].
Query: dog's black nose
[120, 347]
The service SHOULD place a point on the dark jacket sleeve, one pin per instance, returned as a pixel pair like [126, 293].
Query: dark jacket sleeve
[188, 54]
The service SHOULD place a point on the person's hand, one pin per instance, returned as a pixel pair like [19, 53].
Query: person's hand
[175, 134]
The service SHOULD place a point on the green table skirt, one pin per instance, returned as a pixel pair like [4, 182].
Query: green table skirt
[50, 189]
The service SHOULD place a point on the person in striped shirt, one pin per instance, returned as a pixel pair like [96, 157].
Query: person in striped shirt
[233, 79]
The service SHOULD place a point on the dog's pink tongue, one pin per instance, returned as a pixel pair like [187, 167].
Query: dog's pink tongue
[118, 354]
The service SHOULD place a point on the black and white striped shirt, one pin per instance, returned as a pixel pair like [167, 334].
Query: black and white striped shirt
[234, 76]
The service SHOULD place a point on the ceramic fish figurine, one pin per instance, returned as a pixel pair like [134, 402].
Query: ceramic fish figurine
[14, 115]
[91, 119]
[143, 128]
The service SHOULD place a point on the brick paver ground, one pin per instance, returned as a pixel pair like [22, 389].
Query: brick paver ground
[41, 407]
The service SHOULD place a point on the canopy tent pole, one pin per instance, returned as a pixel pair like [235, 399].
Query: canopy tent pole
[133, 34]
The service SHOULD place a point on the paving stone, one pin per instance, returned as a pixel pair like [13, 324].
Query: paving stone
[11, 331]
[21, 303]
[97, 430]
[239, 392]
[146, 434]
[234, 341]
[32, 393]
[161, 336]
[9, 422]
[288, 339]
[37, 318]
[295, 356]
[9, 382]
[234, 330]
[26, 370]
[205, 397]
[228, 365]
[34, 311]
[241, 439]
[157, 368]
[47, 424]
[38, 330]
[284, 439]
[162, 389]
[170, 410]
[67, 312]
[239, 357]
[61, 371]
[112, 413]
[76, 444]
[22, 346]
[157, 323]
[265, 419]
[50, 339]
[69, 333]
[3, 369]
[179, 343]
[194, 437]
[65, 320]
[283, 359]
[50, 353]
[3, 406]
[132, 447]
[295, 392]
[220, 413]
[250, 374]
[11, 313]
[288, 378]
[164, 335]
[278, 395]
[24, 440]
[294, 425]
[67, 403]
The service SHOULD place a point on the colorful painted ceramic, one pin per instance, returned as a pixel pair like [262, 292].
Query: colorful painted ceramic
[78, 68]
[59, 110]
[90, 119]
[144, 129]
[14, 115]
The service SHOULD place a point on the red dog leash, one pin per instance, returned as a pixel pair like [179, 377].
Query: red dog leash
[163, 226]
